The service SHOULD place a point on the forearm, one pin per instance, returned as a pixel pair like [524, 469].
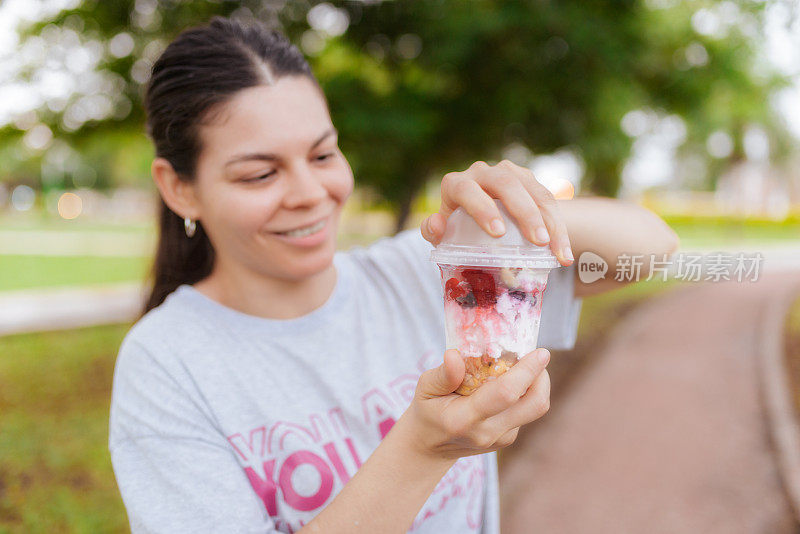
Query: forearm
[388, 490]
[610, 227]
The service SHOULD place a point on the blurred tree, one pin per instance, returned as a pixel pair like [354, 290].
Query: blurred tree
[421, 88]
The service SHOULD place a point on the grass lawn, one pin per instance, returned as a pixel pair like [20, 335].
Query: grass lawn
[55, 473]
[42, 221]
[709, 232]
[24, 271]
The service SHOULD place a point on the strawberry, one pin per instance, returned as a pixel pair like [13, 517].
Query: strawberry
[453, 289]
[482, 284]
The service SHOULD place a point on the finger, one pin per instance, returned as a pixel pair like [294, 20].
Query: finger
[444, 379]
[506, 439]
[504, 391]
[531, 406]
[559, 239]
[465, 192]
[432, 228]
[548, 205]
[505, 183]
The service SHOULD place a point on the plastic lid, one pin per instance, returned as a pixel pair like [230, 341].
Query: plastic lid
[466, 243]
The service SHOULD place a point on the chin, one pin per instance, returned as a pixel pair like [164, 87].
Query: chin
[306, 272]
[311, 264]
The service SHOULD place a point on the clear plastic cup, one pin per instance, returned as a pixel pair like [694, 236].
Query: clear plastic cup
[493, 290]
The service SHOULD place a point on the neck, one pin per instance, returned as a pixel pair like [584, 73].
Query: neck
[272, 298]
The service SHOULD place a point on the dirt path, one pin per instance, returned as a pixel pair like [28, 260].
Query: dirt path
[36, 310]
[665, 433]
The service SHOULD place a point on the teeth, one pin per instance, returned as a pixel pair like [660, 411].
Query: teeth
[305, 231]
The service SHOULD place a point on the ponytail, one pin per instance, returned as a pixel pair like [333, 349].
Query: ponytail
[179, 259]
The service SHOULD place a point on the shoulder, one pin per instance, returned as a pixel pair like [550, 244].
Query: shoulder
[404, 251]
[152, 392]
[402, 260]
[158, 339]
[166, 325]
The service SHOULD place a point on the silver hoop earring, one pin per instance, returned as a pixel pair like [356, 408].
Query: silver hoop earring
[190, 226]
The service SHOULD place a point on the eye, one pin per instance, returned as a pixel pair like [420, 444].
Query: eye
[323, 157]
[259, 178]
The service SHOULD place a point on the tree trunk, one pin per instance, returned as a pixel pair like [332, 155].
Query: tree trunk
[404, 209]
[604, 178]
[417, 178]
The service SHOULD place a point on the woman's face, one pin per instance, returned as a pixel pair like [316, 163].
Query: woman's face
[270, 163]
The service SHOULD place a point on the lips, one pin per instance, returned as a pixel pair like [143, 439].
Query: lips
[308, 241]
[302, 225]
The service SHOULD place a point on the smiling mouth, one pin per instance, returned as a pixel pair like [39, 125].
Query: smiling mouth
[306, 230]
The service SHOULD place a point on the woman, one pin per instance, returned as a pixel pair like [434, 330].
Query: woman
[275, 384]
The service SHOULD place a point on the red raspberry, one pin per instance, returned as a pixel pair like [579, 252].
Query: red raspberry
[482, 284]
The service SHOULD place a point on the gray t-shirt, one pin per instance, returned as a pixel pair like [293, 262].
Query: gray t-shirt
[227, 422]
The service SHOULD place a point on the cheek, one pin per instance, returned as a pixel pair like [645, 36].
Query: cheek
[242, 213]
[340, 182]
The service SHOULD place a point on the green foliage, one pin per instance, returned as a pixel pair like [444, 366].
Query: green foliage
[418, 89]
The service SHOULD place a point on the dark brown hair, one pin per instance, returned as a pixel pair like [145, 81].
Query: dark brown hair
[201, 69]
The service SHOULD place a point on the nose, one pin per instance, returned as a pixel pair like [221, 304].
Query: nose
[305, 187]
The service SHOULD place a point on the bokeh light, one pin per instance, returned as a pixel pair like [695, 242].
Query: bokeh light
[23, 197]
[70, 205]
[328, 19]
[719, 144]
[121, 45]
[38, 137]
[562, 189]
[408, 46]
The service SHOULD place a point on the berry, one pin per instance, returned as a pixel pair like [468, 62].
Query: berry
[453, 289]
[467, 301]
[523, 296]
[519, 295]
[482, 284]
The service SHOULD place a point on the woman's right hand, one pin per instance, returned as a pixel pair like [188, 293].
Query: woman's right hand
[448, 425]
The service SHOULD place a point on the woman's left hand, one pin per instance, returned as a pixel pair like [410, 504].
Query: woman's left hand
[531, 204]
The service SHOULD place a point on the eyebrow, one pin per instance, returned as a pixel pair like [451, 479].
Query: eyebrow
[262, 156]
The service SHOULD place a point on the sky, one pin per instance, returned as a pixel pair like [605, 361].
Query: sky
[650, 164]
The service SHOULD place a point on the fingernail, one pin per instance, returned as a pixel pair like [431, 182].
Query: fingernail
[541, 235]
[568, 253]
[544, 356]
[497, 226]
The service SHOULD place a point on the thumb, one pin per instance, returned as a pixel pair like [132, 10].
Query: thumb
[444, 379]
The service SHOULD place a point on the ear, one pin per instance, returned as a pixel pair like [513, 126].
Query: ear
[178, 195]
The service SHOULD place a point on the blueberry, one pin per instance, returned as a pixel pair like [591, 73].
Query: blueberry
[468, 300]
[523, 296]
